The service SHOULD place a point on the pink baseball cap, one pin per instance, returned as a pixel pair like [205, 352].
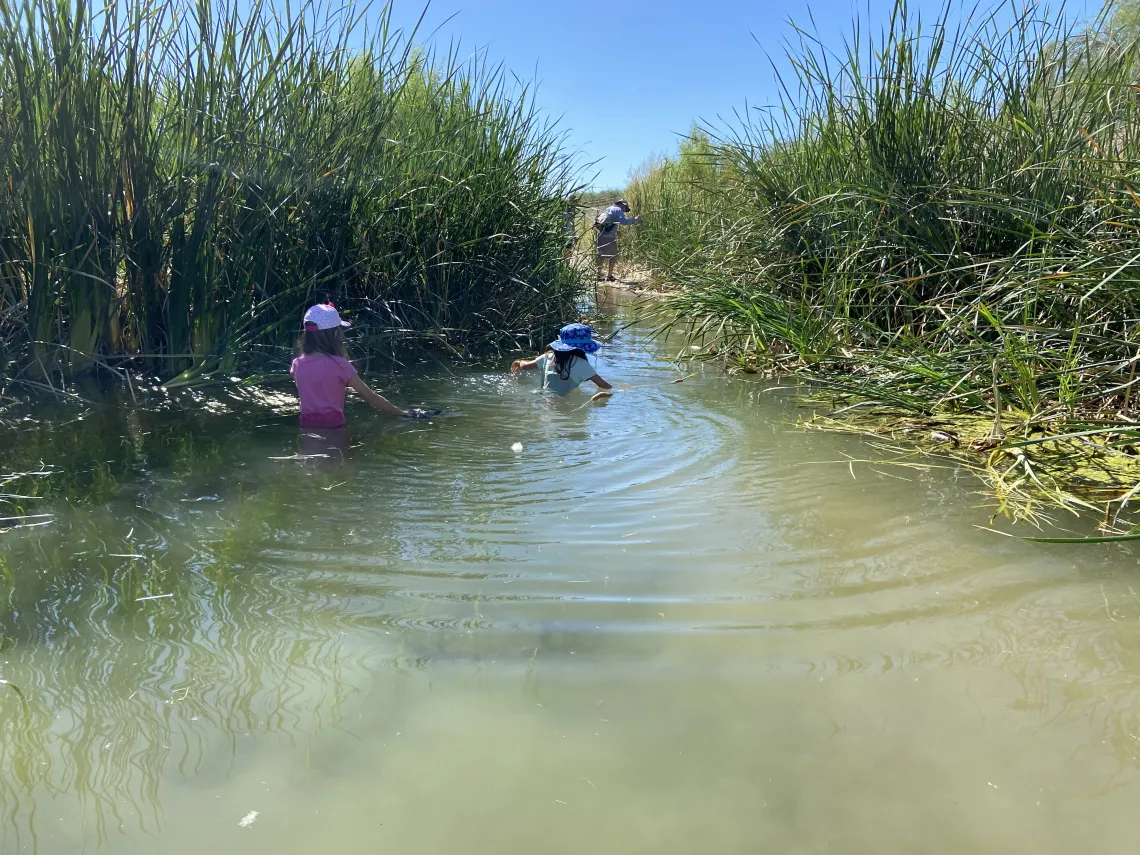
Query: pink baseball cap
[323, 317]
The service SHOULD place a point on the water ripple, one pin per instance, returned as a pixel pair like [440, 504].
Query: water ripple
[680, 533]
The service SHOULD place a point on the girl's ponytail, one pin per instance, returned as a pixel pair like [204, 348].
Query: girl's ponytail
[564, 361]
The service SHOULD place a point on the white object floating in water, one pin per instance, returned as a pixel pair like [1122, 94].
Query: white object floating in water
[249, 819]
[517, 447]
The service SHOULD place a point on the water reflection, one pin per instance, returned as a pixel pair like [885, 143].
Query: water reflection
[654, 628]
[120, 692]
[324, 448]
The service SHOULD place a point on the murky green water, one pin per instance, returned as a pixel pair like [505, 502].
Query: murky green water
[670, 624]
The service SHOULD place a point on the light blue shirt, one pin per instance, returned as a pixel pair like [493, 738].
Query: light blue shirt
[614, 214]
[580, 371]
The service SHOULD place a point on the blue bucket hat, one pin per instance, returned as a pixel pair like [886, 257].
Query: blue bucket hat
[576, 337]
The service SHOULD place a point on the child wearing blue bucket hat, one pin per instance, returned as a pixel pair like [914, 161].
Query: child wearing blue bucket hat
[564, 366]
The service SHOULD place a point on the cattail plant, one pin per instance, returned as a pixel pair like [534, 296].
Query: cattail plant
[178, 180]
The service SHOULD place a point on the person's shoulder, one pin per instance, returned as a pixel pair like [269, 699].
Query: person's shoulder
[344, 364]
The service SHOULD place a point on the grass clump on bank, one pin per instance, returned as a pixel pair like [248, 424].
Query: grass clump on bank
[180, 179]
[940, 223]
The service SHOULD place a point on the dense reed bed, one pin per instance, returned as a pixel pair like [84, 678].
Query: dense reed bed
[939, 225]
[180, 179]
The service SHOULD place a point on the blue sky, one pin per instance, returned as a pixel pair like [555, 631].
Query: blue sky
[627, 77]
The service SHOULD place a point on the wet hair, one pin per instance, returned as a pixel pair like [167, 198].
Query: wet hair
[563, 359]
[328, 342]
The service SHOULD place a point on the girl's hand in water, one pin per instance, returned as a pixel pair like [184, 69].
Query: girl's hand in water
[379, 402]
[516, 366]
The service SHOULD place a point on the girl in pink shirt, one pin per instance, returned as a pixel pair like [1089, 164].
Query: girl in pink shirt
[323, 373]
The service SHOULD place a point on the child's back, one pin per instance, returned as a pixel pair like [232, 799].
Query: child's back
[323, 373]
[322, 380]
[565, 367]
[562, 380]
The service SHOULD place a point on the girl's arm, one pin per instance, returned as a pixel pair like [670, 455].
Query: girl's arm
[600, 383]
[378, 401]
[524, 365]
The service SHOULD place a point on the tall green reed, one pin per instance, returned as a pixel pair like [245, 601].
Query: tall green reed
[939, 201]
[180, 179]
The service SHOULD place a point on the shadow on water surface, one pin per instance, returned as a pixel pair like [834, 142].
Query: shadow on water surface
[651, 628]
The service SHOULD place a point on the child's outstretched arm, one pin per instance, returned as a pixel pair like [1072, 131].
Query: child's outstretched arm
[600, 383]
[524, 365]
[378, 401]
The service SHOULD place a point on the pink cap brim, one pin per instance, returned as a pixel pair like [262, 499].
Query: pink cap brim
[312, 327]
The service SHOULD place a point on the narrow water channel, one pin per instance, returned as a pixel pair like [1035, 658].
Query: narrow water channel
[674, 623]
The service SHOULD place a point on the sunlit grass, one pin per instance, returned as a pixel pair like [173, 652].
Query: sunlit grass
[180, 179]
[939, 219]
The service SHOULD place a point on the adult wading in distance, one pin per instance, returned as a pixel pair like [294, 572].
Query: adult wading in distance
[606, 224]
